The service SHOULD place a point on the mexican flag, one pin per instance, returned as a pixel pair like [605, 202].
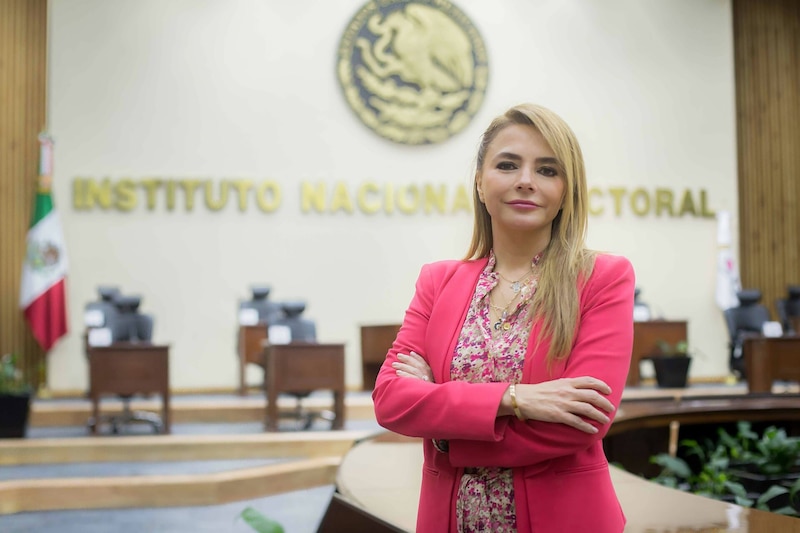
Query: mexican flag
[42, 295]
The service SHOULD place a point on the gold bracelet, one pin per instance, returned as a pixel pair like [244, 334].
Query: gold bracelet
[512, 390]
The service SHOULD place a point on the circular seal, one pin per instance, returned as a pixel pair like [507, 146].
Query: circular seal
[413, 71]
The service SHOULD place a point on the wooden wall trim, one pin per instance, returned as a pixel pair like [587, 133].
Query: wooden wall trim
[23, 71]
[767, 67]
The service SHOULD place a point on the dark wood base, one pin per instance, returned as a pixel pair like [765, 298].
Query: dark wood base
[345, 517]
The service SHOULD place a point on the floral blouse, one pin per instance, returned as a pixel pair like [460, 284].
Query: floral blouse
[491, 352]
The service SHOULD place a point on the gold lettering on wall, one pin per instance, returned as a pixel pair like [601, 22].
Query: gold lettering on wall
[369, 198]
[268, 196]
[365, 198]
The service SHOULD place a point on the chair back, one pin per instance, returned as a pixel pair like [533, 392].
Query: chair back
[789, 308]
[748, 317]
[268, 310]
[302, 329]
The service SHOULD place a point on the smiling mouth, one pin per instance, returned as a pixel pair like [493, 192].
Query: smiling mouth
[523, 203]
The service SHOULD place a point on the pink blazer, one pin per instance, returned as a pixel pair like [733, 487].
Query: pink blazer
[561, 478]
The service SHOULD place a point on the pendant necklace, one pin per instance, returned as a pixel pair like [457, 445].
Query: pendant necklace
[502, 313]
[517, 285]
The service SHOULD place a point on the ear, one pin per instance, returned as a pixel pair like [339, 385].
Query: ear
[478, 187]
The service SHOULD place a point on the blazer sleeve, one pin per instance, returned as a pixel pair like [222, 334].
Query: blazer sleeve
[444, 409]
[602, 349]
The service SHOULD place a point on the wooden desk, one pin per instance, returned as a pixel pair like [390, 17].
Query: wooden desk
[248, 347]
[383, 496]
[303, 367]
[645, 341]
[375, 344]
[767, 359]
[126, 368]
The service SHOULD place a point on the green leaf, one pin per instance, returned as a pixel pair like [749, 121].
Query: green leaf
[773, 491]
[677, 466]
[737, 489]
[259, 522]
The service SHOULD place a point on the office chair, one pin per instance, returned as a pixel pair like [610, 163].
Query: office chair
[126, 324]
[745, 320]
[789, 308]
[267, 310]
[641, 311]
[302, 330]
[255, 316]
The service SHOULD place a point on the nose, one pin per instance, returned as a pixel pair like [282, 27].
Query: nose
[526, 179]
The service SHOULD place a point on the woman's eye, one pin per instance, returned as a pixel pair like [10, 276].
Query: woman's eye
[506, 165]
[550, 172]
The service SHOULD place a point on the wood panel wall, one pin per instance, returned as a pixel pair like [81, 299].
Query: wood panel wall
[767, 59]
[23, 79]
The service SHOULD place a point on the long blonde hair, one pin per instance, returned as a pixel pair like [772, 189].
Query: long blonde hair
[566, 260]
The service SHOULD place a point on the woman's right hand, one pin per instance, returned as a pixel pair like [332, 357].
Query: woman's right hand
[567, 401]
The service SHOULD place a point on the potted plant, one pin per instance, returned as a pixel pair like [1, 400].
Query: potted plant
[671, 363]
[15, 398]
[710, 478]
[773, 458]
[719, 469]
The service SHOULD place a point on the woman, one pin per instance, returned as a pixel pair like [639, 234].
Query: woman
[511, 362]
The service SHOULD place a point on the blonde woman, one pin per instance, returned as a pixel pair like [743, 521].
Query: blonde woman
[511, 362]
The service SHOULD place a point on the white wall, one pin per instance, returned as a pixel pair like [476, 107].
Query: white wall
[219, 89]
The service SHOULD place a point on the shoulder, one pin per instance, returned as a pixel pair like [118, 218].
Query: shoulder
[611, 265]
[448, 268]
[440, 273]
[610, 271]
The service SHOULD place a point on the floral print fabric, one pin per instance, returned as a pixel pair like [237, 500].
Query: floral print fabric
[490, 352]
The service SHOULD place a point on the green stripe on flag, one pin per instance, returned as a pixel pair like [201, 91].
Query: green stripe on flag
[42, 206]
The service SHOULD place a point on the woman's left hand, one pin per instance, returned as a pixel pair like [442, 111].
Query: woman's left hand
[413, 366]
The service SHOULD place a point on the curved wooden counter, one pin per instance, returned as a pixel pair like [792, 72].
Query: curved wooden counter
[386, 492]
[646, 427]
[661, 412]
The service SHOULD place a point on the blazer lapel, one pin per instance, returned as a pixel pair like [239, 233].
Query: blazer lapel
[448, 315]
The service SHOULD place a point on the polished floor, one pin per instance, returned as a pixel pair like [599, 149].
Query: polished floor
[299, 511]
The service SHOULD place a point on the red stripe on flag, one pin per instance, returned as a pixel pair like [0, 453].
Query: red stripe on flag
[47, 316]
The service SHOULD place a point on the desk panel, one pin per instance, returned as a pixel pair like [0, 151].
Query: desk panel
[303, 367]
[249, 349]
[375, 344]
[127, 369]
[768, 359]
[645, 341]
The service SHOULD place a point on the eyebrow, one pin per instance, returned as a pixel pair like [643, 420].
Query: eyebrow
[539, 160]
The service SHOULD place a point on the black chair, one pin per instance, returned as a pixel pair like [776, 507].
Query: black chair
[789, 308]
[267, 310]
[745, 320]
[641, 310]
[302, 330]
[122, 317]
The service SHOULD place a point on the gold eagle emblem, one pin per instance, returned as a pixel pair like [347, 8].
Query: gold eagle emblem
[413, 71]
